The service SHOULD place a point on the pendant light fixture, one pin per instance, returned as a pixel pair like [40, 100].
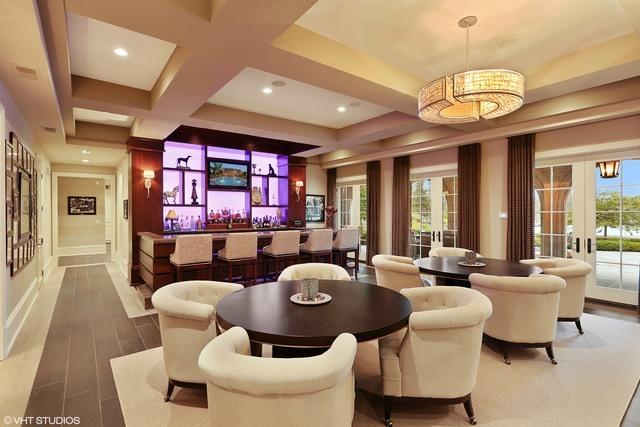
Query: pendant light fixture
[609, 169]
[465, 97]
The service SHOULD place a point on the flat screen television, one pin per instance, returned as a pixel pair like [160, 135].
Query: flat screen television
[227, 174]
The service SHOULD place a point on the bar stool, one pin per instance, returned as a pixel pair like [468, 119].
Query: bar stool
[193, 253]
[348, 240]
[318, 244]
[284, 247]
[240, 249]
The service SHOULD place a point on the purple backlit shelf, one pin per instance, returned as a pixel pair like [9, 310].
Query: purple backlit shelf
[274, 188]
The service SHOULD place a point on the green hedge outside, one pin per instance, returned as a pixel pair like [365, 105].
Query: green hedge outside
[613, 244]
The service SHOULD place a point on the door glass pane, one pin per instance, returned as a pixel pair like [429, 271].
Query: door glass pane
[420, 218]
[618, 228]
[449, 211]
[363, 223]
[553, 198]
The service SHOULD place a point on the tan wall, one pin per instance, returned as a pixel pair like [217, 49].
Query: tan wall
[58, 167]
[123, 231]
[316, 184]
[81, 230]
[493, 198]
[18, 292]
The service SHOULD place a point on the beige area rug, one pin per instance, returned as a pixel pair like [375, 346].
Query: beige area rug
[592, 385]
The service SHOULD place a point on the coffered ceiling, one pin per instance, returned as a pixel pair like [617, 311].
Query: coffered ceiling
[204, 63]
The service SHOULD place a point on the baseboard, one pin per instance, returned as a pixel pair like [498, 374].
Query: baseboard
[47, 269]
[124, 267]
[16, 319]
[82, 250]
[613, 303]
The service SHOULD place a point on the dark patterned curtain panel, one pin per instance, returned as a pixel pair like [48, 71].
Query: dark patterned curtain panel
[331, 191]
[469, 197]
[520, 193]
[400, 209]
[373, 209]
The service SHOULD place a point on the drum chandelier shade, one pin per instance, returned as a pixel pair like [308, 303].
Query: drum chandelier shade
[609, 169]
[467, 96]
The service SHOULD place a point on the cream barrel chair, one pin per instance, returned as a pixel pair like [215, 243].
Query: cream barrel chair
[316, 270]
[245, 391]
[439, 354]
[442, 252]
[396, 272]
[187, 312]
[525, 310]
[574, 272]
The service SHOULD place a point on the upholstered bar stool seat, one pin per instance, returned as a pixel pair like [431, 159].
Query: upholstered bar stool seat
[317, 270]
[240, 249]
[574, 272]
[192, 253]
[347, 240]
[318, 246]
[438, 354]
[397, 272]
[243, 390]
[525, 309]
[284, 249]
[187, 314]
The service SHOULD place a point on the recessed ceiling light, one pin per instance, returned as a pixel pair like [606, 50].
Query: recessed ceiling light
[86, 152]
[342, 109]
[354, 104]
[85, 161]
[120, 51]
[267, 90]
[278, 83]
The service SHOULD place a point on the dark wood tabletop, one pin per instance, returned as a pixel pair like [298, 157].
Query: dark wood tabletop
[266, 313]
[448, 267]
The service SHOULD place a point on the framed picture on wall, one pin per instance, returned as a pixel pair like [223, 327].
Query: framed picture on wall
[125, 208]
[315, 208]
[81, 205]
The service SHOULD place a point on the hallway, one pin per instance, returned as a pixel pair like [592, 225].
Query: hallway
[88, 328]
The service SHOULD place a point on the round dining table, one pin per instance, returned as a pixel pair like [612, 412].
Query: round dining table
[269, 316]
[448, 272]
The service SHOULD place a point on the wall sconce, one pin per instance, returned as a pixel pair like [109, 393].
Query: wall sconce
[148, 176]
[610, 169]
[299, 184]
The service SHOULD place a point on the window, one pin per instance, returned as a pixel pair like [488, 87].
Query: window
[450, 211]
[421, 228]
[352, 211]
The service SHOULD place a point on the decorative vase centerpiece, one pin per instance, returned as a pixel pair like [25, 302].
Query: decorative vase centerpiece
[194, 193]
[309, 289]
[256, 196]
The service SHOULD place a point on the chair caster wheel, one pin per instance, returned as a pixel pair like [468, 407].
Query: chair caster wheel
[473, 421]
[553, 362]
[388, 423]
[507, 361]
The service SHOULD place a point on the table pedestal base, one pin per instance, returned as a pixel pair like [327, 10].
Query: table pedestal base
[293, 352]
[446, 281]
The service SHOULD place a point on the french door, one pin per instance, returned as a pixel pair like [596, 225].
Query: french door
[581, 215]
[352, 212]
[434, 214]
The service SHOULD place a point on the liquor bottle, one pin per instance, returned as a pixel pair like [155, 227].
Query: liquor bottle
[212, 216]
[181, 223]
[199, 223]
[244, 216]
[218, 217]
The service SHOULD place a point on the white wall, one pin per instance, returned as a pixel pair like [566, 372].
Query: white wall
[18, 293]
[123, 231]
[316, 184]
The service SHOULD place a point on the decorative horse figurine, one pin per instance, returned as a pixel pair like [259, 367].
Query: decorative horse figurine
[181, 160]
[172, 194]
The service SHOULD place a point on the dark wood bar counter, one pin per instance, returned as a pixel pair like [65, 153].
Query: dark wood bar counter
[155, 270]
